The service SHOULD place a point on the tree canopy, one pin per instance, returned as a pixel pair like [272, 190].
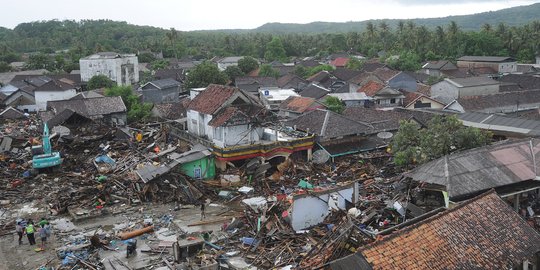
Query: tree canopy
[248, 64]
[275, 50]
[136, 110]
[334, 104]
[204, 74]
[99, 81]
[443, 135]
[268, 71]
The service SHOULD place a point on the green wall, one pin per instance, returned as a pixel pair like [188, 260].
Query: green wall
[206, 166]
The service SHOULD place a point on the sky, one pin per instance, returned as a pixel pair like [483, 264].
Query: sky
[187, 15]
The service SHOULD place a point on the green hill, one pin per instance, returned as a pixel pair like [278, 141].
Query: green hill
[511, 16]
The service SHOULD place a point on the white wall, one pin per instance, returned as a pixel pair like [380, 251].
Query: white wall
[309, 210]
[43, 96]
[444, 89]
[110, 67]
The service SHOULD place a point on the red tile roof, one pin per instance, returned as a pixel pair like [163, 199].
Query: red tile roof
[340, 62]
[371, 88]
[298, 104]
[482, 233]
[409, 97]
[211, 99]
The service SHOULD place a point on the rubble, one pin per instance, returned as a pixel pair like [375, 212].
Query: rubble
[282, 213]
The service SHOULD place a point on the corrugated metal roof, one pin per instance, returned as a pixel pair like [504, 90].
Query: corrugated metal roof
[482, 168]
[497, 122]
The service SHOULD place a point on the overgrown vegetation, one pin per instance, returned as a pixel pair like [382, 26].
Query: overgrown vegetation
[204, 74]
[413, 43]
[136, 110]
[334, 104]
[100, 81]
[443, 135]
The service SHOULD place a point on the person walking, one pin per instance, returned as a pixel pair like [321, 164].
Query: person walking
[44, 232]
[203, 208]
[19, 228]
[30, 232]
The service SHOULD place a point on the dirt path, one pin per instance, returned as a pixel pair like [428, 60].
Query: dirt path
[15, 256]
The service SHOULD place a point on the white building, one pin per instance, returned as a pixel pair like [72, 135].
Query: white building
[228, 61]
[51, 91]
[120, 68]
[224, 115]
[272, 97]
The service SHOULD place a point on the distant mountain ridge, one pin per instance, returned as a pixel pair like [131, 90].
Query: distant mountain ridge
[511, 16]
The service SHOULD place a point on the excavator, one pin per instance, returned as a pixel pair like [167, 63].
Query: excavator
[43, 156]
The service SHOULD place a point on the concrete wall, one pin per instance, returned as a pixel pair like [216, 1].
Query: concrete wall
[166, 95]
[206, 166]
[241, 134]
[505, 67]
[123, 71]
[43, 96]
[479, 90]
[424, 100]
[444, 89]
[308, 210]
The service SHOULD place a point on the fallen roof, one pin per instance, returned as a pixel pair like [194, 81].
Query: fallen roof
[482, 233]
[90, 106]
[479, 169]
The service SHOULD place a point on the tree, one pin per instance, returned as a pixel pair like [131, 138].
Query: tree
[136, 111]
[409, 61]
[268, 71]
[100, 81]
[355, 64]
[334, 104]
[159, 64]
[204, 74]
[301, 71]
[443, 135]
[233, 72]
[320, 68]
[275, 50]
[248, 64]
[4, 67]
[146, 57]
[40, 61]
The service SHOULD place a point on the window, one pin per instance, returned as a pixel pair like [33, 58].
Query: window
[392, 101]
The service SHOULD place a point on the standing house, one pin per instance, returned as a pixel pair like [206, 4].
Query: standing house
[51, 91]
[120, 68]
[228, 62]
[451, 89]
[224, 115]
[438, 68]
[500, 64]
[272, 97]
[357, 99]
[160, 91]
[402, 80]
[295, 106]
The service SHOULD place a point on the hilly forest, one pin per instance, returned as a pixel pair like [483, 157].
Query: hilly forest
[57, 45]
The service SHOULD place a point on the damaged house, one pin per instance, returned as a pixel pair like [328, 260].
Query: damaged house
[482, 233]
[237, 126]
[336, 134]
[509, 167]
[109, 110]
